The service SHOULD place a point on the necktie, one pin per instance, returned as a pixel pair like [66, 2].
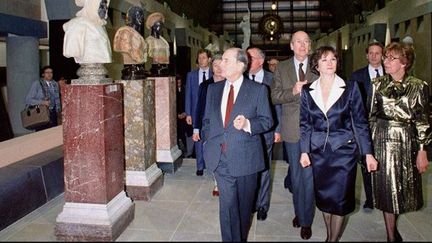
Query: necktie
[204, 77]
[301, 72]
[253, 77]
[377, 73]
[229, 106]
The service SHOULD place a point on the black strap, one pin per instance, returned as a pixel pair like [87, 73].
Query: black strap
[43, 89]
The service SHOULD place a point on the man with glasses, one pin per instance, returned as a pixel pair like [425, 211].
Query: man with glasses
[45, 91]
[363, 77]
[288, 80]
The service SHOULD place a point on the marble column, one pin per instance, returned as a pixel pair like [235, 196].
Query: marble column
[22, 55]
[168, 155]
[96, 207]
[143, 177]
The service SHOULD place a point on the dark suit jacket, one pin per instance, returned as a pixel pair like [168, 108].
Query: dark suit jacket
[361, 76]
[244, 151]
[191, 96]
[344, 123]
[276, 110]
[284, 79]
[200, 107]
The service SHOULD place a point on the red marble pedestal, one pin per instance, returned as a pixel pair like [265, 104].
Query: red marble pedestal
[168, 155]
[96, 206]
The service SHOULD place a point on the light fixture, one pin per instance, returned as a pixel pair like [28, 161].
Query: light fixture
[271, 38]
[271, 32]
[273, 6]
[272, 23]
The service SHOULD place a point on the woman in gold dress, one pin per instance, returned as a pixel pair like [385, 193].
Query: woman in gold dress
[400, 130]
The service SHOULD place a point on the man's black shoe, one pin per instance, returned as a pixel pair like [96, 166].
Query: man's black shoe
[368, 206]
[305, 233]
[199, 172]
[261, 214]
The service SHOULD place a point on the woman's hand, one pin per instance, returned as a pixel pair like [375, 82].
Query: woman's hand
[422, 161]
[45, 102]
[304, 160]
[371, 163]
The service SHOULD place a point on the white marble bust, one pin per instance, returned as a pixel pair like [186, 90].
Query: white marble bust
[86, 39]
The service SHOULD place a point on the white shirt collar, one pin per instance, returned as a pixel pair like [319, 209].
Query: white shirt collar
[372, 72]
[200, 73]
[259, 76]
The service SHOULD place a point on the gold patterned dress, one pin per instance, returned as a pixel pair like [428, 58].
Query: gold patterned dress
[400, 126]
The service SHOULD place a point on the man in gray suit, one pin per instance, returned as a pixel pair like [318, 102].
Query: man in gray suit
[237, 113]
[258, 74]
[289, 77]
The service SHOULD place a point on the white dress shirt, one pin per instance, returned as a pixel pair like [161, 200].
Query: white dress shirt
[297, 64]
[200, 74]
[372, 72]
[237, 84]
[259, 76]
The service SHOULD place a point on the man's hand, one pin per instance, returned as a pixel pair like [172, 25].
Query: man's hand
[189, 120]
[196, 137]
[304, 160]
[277, 137]
[182, 116]
[298, 87]
[240, 122]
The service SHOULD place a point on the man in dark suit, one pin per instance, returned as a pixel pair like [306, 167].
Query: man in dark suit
[258, 74]
[237, 113]
[193, 80]
[363, 77]
[288, 80]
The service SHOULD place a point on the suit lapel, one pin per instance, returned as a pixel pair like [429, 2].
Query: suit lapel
[291, 71]
[336, 91]
[219, 93]
[240, 100]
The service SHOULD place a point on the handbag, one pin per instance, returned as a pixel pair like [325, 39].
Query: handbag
[34, 116]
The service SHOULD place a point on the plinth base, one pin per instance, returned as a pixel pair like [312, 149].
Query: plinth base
[142, 185]
[169, 160]
[95, 222]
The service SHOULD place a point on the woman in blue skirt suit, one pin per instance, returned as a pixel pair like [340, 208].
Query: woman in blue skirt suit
[333, 129]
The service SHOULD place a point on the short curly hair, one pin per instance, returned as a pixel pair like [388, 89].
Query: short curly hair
[404, 51]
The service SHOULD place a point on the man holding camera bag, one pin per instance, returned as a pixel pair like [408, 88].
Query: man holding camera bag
[45, 92]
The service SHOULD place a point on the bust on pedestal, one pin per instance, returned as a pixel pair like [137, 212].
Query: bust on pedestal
[86, 40]
[96, 206]
[130, 43]
[158, 47]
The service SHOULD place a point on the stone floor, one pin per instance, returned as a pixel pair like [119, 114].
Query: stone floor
[184, 210]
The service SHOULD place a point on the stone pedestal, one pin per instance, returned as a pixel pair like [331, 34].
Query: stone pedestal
[143, 177]
[168, 155]
[96, 207]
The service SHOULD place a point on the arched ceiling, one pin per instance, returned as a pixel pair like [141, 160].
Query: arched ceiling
[208, 12]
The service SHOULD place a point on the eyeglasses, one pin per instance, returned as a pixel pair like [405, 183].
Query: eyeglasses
[390, 58]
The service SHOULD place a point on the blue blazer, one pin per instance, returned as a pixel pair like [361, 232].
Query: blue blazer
[200, 107]
[191, 96]
[276, 110]
[244, 151]
[361, 76]
[344, 123]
